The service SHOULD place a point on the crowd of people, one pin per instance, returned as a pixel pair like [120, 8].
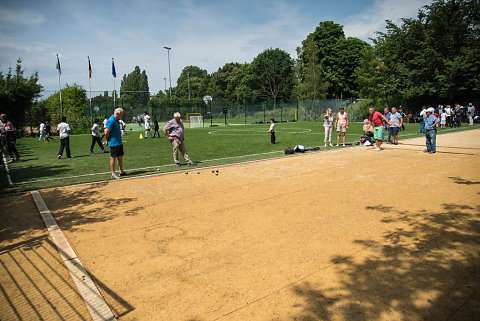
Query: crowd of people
[378, 128]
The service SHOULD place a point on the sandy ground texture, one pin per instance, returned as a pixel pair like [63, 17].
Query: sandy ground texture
[34, 282]
[351, 234]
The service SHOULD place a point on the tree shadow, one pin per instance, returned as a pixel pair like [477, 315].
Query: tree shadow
[428, 270]
[462, 181]
[31, 266]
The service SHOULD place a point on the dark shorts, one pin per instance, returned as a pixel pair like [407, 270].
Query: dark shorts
[393, 131]
[116, 151]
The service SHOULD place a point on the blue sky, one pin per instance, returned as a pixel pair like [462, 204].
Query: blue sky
[203, 33]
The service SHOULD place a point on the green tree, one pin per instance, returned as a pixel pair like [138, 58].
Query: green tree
[198, 79]
[271, 75]
[310, 85]
[134, 88]
[337, 56]
[75, 104]
[17, 94]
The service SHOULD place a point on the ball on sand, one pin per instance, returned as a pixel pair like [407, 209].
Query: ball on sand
[198, 172]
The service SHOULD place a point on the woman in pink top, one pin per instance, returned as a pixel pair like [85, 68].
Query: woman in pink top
[341, 124]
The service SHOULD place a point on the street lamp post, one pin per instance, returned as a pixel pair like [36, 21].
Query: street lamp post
[169, 75]
[188, 80]
[165, 79]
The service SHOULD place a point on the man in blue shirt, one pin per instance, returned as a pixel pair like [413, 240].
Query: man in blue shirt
[113, 134]
[431, 123]
[386, 114]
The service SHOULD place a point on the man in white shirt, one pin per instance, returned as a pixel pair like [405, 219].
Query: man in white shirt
[42, 131]
[146, 119]
[448, 112]
[63, 130]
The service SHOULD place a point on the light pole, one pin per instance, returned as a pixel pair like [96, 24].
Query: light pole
[169, 75]
[165, 79]
[188, 80]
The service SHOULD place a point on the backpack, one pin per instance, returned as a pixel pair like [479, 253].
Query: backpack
[299, 148]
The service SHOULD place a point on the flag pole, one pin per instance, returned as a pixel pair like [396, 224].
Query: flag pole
[90, 88]
[59, 86]
[114, 75]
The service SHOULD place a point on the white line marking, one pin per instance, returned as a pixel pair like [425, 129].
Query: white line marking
[96, 305]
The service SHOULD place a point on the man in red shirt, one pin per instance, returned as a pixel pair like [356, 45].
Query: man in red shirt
[376, 121]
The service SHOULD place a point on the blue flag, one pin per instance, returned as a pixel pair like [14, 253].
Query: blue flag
[114, 73]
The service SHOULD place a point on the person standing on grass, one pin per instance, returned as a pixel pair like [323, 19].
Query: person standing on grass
[377, 120]
[104, 126]
[341, 124]
[404, 117]
[443, 120]
[386, 114]
[63, 130]
[423, 115]
[122, 125]
[174, 132]
[96, 137]
[10, 138]
[396, 121]
[328, 126]
[155, 127]
[431, 123]
[146, 119]
[41, 130]
[448, 112]
[470, 113]
[48, 132]
[113, 134]
[458, 115]
[272, 131]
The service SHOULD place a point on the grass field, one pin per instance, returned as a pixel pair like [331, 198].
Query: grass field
[39, 167]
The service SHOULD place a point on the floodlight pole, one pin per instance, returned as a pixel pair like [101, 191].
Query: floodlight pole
[169, 75]
[165, 79]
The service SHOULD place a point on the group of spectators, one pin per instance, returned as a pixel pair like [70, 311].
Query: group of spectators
[449, 116]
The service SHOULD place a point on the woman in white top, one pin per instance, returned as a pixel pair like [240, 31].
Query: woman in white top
[341, 123]
[328, 126]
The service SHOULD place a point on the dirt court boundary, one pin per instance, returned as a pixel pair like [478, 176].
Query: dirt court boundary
[95, 303]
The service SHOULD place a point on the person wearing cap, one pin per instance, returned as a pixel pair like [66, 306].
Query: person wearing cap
[174, 132]
[431, 123]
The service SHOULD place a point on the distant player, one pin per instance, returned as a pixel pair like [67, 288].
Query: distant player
[272, 131]
[96, 137]
[104, 126]
[155, 127]
[41, 130]
[63, 130]
[146, 119]
[443, 120]
[48, 132]
[122, 126]
[9, 130]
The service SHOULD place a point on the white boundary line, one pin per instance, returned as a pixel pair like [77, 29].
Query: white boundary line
[96, 305]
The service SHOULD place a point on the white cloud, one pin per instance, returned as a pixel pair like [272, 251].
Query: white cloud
[364, 24]
[25, 17]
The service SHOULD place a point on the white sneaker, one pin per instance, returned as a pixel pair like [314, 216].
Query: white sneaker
[337, 145]
[325, 145]
[376, 148]
[115, 176]
[343, 145]
[331, 145]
